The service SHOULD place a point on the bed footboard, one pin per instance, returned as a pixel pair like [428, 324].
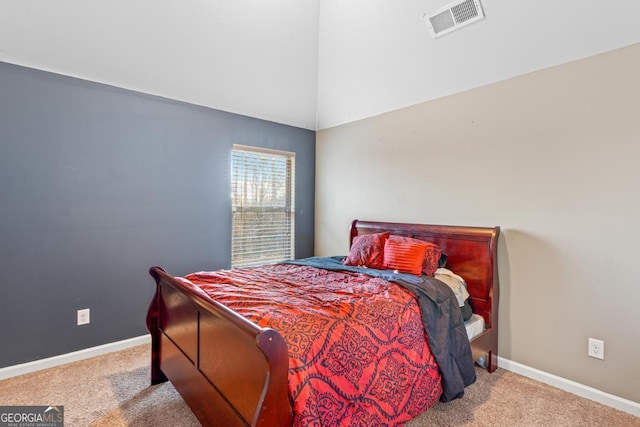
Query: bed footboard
[226, 368]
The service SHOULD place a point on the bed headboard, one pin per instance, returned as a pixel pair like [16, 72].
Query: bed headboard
[471, 251]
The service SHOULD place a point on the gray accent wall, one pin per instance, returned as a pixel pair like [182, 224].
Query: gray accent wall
[97, 184]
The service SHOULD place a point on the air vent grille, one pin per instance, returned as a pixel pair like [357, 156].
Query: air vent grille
[442, 21]
[464, 11]
[453, 16]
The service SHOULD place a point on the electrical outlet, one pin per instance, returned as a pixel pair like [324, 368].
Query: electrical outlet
[83, 317]
[596, 348]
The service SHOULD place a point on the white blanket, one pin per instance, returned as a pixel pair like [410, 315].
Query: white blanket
[455, 282]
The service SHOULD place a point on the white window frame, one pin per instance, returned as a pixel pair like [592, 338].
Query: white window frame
[257, 199]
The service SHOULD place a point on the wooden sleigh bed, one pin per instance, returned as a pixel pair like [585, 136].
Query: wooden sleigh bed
[232, 372]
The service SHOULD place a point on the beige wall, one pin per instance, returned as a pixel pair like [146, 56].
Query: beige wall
[551, 157]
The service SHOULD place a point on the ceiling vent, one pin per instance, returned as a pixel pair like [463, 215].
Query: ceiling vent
[453, 17]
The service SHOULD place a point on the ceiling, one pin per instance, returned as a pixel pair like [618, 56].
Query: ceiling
[307, 63]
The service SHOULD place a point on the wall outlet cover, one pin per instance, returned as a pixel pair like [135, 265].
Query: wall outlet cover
[84, 317]
[596, 348]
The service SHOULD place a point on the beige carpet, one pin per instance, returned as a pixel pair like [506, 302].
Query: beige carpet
[114, 390]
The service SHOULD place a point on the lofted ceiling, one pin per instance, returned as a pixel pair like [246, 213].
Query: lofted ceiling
[307, 63]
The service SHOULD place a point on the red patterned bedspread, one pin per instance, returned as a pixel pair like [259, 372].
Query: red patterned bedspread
[358, 353]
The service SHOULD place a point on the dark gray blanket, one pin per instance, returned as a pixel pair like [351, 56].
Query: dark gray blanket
[441, 316]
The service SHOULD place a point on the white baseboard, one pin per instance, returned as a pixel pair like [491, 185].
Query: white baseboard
[50, 362]
[573, 387]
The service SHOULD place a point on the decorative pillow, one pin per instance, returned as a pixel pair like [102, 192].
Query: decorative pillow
[431, 259]
[368, 250]
[405, 254]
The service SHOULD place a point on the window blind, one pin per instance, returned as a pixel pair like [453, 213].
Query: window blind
[263, 207]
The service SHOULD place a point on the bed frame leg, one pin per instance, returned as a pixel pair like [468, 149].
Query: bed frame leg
[157, 376]
[492, 361]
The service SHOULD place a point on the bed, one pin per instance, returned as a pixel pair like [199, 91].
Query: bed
[231, 371]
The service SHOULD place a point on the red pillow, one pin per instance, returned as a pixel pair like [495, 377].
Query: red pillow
[405, 254]
[368, 250]
[431, 258]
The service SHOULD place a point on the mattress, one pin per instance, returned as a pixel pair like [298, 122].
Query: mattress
[474, 326]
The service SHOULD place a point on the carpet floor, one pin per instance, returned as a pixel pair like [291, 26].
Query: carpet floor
[113, 390]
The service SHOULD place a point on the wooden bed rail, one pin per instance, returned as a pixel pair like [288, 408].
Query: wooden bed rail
[227, 368]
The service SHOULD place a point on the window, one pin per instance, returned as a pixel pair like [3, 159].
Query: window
[262, 201]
